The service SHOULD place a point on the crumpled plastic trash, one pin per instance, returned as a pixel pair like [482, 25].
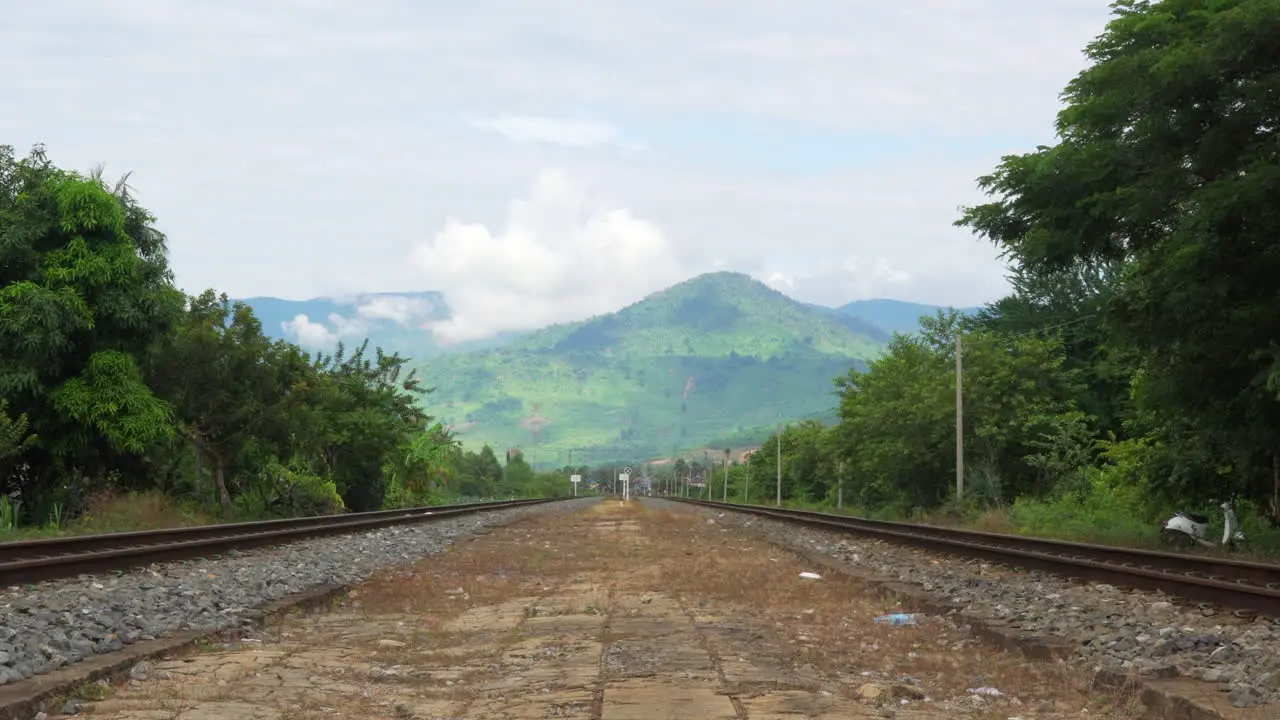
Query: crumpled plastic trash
[986, 690]
[810, 576]
[897, 619]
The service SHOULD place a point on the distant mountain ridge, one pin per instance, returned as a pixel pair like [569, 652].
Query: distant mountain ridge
[712, 356]
[718, 356]
[894, 315]
[400, 321]
[723, 313]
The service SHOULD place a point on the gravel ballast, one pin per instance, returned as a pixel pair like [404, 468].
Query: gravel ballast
[1109, 628]
[61, 622]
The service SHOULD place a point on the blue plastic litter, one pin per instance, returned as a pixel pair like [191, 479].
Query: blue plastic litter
[896, 619]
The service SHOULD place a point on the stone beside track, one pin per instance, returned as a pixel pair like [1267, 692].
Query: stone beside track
[1108, 629]
[58, 623]
[616, 612]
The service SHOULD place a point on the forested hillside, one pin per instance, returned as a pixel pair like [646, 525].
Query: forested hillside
[709, 357]
[113, 381]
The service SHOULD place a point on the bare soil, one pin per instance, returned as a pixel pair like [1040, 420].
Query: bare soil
[619, 612]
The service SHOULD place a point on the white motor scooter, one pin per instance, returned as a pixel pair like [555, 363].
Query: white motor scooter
[1188, 530]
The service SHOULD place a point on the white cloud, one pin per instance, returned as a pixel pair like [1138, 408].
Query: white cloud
[570, 133]
[561, 256]
[309, 334]
[780, 281]
[855, 278]
[346, 145]
[347, 327]
[397, 308]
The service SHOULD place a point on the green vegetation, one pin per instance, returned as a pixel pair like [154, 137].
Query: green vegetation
[1134, 368]
[401, 321]
[715, 315]
[590, 379]
[713, 356]
[114, 384]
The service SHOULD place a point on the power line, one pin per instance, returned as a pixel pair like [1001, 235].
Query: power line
[1068, 323]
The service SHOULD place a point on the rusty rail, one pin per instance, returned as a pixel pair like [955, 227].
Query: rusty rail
[31, 561]
[1239, 584]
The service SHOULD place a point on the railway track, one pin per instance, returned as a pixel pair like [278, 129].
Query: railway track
[1247, 587]
[31, 561]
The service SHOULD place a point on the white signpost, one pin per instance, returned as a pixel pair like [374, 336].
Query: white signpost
[625, 477]
[575, 479]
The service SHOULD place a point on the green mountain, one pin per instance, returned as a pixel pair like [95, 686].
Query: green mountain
[709, 358]
[400, 321]
[715, 360]
[892, 316]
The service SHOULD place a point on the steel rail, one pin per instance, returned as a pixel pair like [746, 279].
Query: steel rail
[36, 560]
[1231, 583]
[44, 547]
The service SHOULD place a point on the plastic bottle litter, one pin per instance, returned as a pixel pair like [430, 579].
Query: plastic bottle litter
[896, 619]
[810, 576]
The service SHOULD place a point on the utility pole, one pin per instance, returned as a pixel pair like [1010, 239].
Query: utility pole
[710, 481]
[779, 498]
[959, 419]
[726, 475]
[746, 489]
[840, 486]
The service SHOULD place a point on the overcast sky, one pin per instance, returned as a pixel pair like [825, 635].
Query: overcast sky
[546, 160]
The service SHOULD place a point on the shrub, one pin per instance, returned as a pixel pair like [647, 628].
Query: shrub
[292, 490]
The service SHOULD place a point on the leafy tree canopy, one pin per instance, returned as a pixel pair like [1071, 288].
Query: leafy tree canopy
[112, 378]
[1166, 171]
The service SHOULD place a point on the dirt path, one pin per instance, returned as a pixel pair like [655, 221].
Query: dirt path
[614, 613]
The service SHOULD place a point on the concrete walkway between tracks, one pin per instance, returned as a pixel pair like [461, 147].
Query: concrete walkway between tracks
[619, 612]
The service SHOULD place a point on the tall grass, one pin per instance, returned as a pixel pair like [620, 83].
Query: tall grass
[110, 512]
[8, 515]
[1102, 511]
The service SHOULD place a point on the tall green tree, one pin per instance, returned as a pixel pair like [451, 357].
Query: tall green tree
[1070, 306]
[897, 419]
[808, 464]
[1167, 165]
[85, 291]
[519, 474]
[217, 370]
[484, 473]
[371, 405]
